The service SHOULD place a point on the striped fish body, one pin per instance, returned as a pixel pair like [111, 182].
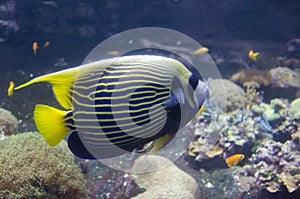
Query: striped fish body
[120, 105]
[127, 105]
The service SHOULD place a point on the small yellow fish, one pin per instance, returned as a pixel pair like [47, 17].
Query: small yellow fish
[234, 159]
[10, 89]
[200, 51]
[46, 44]
[34, 47]
[253, 55]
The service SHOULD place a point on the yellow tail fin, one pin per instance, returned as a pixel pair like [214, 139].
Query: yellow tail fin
[50, 123]
[61, 81]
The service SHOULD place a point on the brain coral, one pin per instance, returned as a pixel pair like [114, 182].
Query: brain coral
[29, 168]
[226, 95]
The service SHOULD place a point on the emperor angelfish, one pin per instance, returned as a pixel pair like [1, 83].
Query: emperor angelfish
[113, 106]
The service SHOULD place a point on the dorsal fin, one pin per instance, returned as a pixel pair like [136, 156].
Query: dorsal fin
[61, 82]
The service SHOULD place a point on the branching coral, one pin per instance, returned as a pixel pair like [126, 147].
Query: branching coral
[29, 168]
[252, 93]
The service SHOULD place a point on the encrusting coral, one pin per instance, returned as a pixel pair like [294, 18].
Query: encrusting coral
[29, 168]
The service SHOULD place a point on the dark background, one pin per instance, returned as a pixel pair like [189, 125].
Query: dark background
[74, 27]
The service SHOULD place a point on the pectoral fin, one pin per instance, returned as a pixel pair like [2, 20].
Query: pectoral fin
[160, 142]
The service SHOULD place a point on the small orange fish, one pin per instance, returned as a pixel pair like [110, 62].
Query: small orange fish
[34, 47]
[253, 55]
[200, 51]
[234, 159]
[113, 52]
[10, 89]
[46, 44]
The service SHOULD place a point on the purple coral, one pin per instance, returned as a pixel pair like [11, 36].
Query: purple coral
[276, 165]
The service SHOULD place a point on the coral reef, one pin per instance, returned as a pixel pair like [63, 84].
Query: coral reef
[295, 109]
[276, 164]
[279, 77]
[29, 168]
[287, 62]
[243, 76]
[293, 44]
[105, 183]
[8, 123]
[284, 78]
[226, 95]
[230, 183]
[273, 111]
[220, 134]
[267, 133]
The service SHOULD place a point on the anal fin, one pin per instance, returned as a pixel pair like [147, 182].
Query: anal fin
[77, 147]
